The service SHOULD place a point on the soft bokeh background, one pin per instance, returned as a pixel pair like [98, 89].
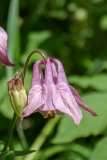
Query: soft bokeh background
[75, 32]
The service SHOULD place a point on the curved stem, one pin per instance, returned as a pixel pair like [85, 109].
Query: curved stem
[28, 58]
[17, 74]
[9, 133]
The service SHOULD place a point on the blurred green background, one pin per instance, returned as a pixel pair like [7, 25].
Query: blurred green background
[75, 32]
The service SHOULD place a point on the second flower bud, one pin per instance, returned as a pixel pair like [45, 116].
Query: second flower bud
[17, 95]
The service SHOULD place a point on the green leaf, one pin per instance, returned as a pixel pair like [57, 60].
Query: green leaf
[68, 131]
[1, 145]
[34, 41]
[100, 151]
[5, 105]
[15, 153]
[103, 22]
[96, 81]
[12, 29]
[20, 153]
[4, 154]
[3, 86]
[56, 149]
[38, 11]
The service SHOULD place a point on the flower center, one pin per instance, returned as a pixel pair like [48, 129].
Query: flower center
[50, 114]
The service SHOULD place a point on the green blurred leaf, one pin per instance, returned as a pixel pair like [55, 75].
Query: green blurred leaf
[37, 13]
[15, 153]
[4, 122]
[20, 153]
[103, 22]
[1, 145]
[96, 1]
[60, 3]
[100, 151]
[96, 81]
[34, 40]
[3, 87]
[5, 106]
[59, 14]
[90, 125]
[82, 81]
[48, 152]
[12, 29]
[4, 154]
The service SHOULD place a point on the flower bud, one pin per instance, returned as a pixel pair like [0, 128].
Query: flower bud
[17, 95]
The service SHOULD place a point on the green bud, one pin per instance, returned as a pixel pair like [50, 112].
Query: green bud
[17, 95]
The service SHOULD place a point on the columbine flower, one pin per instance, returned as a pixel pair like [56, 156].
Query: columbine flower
[51, 94]
[17, 95]
[3, 48]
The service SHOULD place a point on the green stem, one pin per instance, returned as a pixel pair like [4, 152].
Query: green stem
[9, 133]
[39, 141]
[28, 58]
[22, 138]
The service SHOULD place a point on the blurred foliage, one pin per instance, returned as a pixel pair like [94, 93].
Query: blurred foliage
[75, 32]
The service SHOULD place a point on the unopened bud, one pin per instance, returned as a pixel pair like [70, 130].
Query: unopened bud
[17, 95]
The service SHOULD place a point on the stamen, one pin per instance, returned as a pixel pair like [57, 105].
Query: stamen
[50, 114]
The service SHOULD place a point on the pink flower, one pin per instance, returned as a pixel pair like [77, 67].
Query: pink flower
[51, 94]
[3, 48]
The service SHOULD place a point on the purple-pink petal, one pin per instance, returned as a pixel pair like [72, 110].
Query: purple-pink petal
[54, 72]
[61, 77]
[37, 76]
[62, 97]
[49, 84]
[64, 102]
[80, 102]
[36, 98]
[38, 93]
[3, 48]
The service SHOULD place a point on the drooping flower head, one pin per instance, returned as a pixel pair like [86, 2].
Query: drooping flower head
[3, 48]
[51, 94]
